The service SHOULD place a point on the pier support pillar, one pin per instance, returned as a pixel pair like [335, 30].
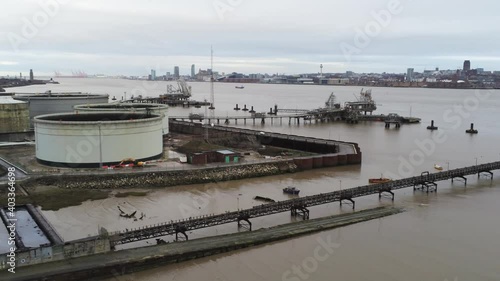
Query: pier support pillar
[300, 210]
[386, 190]
[464, 179]
[182, 230]
[244, 218]
[349, 200]
[490, 173]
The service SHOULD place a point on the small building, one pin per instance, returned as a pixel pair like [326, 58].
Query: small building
[220, 156]
[198, 158]
[227, 156]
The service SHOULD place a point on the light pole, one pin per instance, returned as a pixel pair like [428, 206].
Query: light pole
[100, 145]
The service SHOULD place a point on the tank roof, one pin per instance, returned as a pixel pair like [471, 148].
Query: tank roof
[95, 117]
[120, 105]
[50, 95]
[10, 100]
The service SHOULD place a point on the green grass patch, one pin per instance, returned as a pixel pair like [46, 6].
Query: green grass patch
[131, 193]
[55, 199]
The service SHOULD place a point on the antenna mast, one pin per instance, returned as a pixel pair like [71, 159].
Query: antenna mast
[212, 97]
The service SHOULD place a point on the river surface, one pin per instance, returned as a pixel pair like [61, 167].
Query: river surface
[453, 234]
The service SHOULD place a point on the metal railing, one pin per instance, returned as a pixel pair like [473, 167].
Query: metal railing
[172, 227]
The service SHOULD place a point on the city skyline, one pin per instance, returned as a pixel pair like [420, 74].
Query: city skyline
[377, 36]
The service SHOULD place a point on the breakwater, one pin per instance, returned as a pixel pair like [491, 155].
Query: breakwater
[117, 263]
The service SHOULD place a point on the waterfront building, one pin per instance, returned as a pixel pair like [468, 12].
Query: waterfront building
[409, 74]
[467, 65]
[176, 72]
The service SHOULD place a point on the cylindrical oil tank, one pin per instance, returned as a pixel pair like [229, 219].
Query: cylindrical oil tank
[14, 115]
[96, 139]
[124, 107]
[50, 103]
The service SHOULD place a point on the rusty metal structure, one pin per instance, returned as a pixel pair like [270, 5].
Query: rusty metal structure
[298, 206]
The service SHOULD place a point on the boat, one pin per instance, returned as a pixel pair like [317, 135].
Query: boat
[240, 87]
[437, 167]
[379, 180]
[291, 190]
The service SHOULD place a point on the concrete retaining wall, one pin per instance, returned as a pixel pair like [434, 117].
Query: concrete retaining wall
[50, 253]
[166, 178]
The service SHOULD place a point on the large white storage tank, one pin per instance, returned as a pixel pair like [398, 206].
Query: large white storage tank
[14, 115]
[120, 107]
[91, 140]
[49, 103]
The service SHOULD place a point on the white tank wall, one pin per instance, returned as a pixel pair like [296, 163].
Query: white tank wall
[50, 105]
[79, 143]
[162, 111]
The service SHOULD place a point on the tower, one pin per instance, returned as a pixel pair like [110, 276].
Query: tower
[176, 72]
[467, 65]
[193, 71]
[409, 74]
[212, 96]
[31, 75]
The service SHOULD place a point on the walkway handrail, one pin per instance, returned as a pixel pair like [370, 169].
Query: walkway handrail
[168, 228]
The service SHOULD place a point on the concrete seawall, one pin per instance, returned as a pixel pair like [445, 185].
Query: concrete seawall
[165, 178]
[114, 264]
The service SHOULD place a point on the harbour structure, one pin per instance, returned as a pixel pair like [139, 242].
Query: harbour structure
[175, 96]
[124, 108]
[299, 206]
[96, 139]
[14, 115]
[50, 103]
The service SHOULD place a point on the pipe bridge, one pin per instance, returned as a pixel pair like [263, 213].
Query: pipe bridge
[298, 206]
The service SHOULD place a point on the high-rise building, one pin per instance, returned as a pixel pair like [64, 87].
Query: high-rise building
[176, 72]
[467, 65]
[31, 75]
[409, 74]
[193, 71]
[153, 74]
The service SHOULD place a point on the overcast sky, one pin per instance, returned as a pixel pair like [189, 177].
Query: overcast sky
[131, 37]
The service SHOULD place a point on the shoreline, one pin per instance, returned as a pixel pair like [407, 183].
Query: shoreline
[117, 263]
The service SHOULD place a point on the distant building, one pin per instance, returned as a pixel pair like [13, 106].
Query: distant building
[153, 74]
[176, 72]
[255, 76]
[204, 75]
[467, 65]
[480, 70]
[31, 75]
[409, 74]
[193, 74]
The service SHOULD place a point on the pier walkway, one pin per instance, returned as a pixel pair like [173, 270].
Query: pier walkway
[298, 206]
